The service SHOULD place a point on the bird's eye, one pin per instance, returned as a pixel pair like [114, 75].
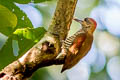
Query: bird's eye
[86, 19]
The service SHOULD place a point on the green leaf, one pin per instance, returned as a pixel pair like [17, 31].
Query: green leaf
[38, 1]
[22, 35]
[24, 39]
[24, 45]
[25, 33]
[19, 13]
[27, 1]
[8, 20]
[6, 53]
[30, 33]
[27, 37]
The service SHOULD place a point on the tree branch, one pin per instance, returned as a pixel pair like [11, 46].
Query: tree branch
[45, 51]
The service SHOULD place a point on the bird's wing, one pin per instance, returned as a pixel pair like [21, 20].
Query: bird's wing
[77, 43]
[73, 51]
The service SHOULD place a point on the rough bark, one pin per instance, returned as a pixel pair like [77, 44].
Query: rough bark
[45, 51]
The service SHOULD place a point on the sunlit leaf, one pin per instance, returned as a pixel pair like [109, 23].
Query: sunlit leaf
[8, 20]
[21, 23]
[30, 33]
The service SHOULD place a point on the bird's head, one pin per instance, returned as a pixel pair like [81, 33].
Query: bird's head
[88, 24]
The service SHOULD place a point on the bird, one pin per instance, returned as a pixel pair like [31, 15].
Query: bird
[75, 47]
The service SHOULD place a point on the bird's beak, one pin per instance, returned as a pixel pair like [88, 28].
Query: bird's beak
[80, 21]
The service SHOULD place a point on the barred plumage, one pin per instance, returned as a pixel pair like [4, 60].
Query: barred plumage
[68, 42]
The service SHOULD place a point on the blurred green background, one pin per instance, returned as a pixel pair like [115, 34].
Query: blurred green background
[24, 22]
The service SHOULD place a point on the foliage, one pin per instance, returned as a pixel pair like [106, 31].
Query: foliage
[20, 32]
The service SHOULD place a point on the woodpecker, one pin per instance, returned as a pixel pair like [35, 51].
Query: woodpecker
[77, 46]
